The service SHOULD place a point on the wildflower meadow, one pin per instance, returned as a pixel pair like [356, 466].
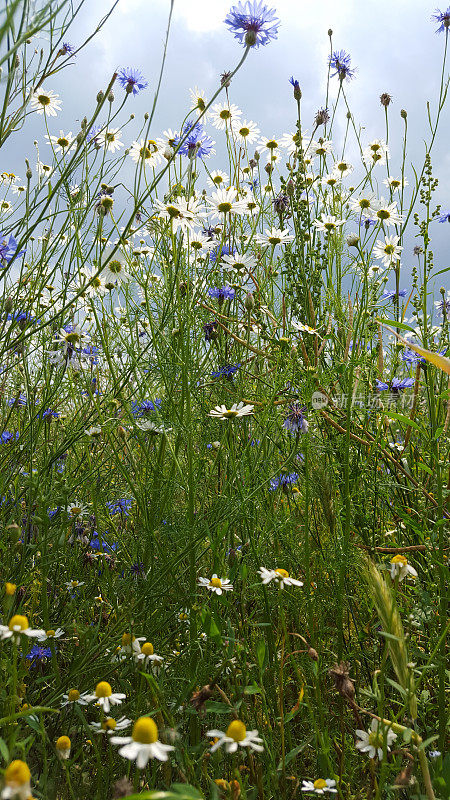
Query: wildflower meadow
[225, 399]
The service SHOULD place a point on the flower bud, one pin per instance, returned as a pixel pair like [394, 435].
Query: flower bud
[100, 97]
[330, 32]
[385, 99]
[353, 240]
[111, 96]
[249, 302]
[403, 113]
[250, 38]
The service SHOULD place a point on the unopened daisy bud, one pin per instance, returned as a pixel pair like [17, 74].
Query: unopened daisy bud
[256, 156]
[111, 97]
[252, 163]
[100, 97]
[269, 168]
[353, 240]
[63, 745]
[403, 113]
[330, 32]
[249, 302]
[10, 589]
[29, 174]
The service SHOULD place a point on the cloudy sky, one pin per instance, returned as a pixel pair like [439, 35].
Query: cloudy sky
[393, 44]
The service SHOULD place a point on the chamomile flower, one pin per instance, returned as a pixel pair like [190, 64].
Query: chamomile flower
[51, 634]
[331, 180]
[246, 132]
[143, 744]
[342, 168]
[92, 282]
[216, 585]
[110, 725]
[45, 102]
[388, 251]
[43, 170]
[319, 786]
[400, 568]
[148, 656]
[269, 146]
[217, 179]
[363, 204]
[239, 263]
[300, 327]
[320, 148]
[237, 410]
[62, 143]
[73, 584]
[129, 646]
[76, 509]
[114, 271]
[18, 626]
[274, 236]
[198, 100]
[236, 736]
[63, 746]
[147, 152]
[110, 139]
[17, 779]
[105, 697]
[225, 201]
[73, 697]
[279, 576]
[224, 114]
[181, 213]
[328, 223]
[371, 742]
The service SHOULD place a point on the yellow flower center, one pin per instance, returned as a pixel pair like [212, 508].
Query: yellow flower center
[224, 208]
[236, 730]
[10, 588]
[63, 142]
[375, 739]
[320, 783]
[51, 632]
[63, 743]
[218, 179]
[283, 573]
[216, 582]
[127, 639]
[395, 183]
[115, 266]
[173, 212]
[145, 731]
[274, 240]
[103, 689]
[18, 621]
[147, 649]
[17, 774]
[342, 166]
[73, 695]
[399, 559]
[44, 99]
[110, 137]
[74, 584]
[389, 249]
[364, 203]
[244, 131]
[383, 214]
[109, 724]
[230, 413]
[225, 114]
[272, 144]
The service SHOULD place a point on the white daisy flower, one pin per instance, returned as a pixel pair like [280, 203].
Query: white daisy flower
[110, 725]
[236, 736]
[400, 567]
[143, 743]
[73, 696]
[223, 114]
[147, 152]
[43, 170]
[63, 746]
[319, 786]
[371, 742]
[250, 203]
[18, 189]
[280, 576]
[236, 410]
[331, 180]
[218, 178]
[246, 132]
[148, 656]
[270, 146]
[198, 101]
[181, 213]
[168, 139]
[342, 168]
[395, 184]
[290, 142]
[377, 152]
[328, 224]
[113, 271]
[62, 143]
[77, 509]
[73, 584]
[215, 584]
[320, 148]
[388, 251]
[302, 328]
[239, 263]
[92, 283]
[105, 697]
[51, 634]
[386, 213]
[18, 625]
[363, 204]
[110, 139]
[225, 201]
[46, 102]
[274, 236]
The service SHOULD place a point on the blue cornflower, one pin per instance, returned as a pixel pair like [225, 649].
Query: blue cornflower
[367, 223]
[395, 385]
[444, 307]
[444, 217]
[49, 414]
[226, 372]
[297, 91]
[22, 316]
[224, 293]
[340, 62]
[145, 407]
[253, 184]
[412, 358]
[295, 422]
[284, 480]
[137, 569]
[252, 23]
[102, 547]
[121, 506]
[209, 233]
[444, 18]
[131, 80]
[67, 49]
[220, 251]
[92, 352]
[198, 143]
[38, 655]
[210, 331]
[18, 401]
[7, 437]
[8, 249]
[391, 294]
